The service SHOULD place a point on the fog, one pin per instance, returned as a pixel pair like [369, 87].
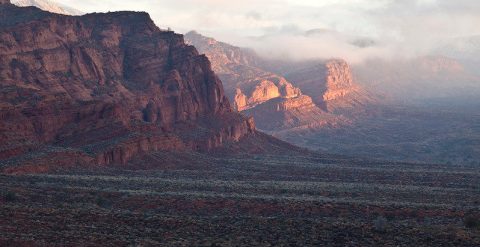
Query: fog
[355, 30]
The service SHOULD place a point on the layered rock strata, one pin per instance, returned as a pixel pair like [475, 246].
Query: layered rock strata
[108, 86]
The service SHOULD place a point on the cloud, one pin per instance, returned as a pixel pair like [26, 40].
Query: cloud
[352, 29]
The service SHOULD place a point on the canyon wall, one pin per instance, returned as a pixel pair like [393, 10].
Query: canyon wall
[109, 85]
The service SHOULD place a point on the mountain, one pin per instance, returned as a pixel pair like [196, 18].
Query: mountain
[276, 103]
[332, 86]
[49, 6]
[104, 88]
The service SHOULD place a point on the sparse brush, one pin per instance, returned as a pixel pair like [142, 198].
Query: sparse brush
[380, 224]
[10, 196]
[472, 221]
[103, 203]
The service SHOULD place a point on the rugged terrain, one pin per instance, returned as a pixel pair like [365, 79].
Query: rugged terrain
[277, 103]
[251, 80]
[335, 114]
[115, 133]
[332, 86]
[102, 88]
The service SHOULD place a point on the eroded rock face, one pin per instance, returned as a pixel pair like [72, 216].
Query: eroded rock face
[339, 80]
[245, 83]
[113, 85]
[222, 55]
[252, 92]
[331, 86]
[286, 115]
[272, 100]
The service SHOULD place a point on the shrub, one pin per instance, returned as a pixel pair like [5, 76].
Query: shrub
[472, 221]
[10, 196]
[104, 203]
[380, 224]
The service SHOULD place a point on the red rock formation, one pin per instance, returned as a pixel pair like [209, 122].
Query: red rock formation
[246, 84]
[222, 55]
[273, 101]
[110, 85]
[331, 86]
[281, 115]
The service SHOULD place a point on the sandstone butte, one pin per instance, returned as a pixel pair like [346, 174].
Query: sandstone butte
[103, 88]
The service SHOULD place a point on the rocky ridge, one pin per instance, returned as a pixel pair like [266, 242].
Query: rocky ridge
[246, 84]
[299, 96]
[103, 88]
[331, 86]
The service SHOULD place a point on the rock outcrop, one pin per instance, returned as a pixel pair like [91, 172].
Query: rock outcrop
[281, 115]
[271, 99]
[250, 92]
[331, 86]
[222, 55]
[108, 86]
[246, 84]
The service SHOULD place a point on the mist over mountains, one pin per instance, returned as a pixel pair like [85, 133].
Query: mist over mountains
[50, 6]
[116, 130]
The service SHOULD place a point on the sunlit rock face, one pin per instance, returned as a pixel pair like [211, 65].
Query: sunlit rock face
[253, 92]
[246, 84]
[271, 99]
[339, 80]
[331, 86]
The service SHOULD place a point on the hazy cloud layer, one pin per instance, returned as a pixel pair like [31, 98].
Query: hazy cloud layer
[351, 29]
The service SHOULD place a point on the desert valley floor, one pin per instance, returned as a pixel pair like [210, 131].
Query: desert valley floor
[196, 199]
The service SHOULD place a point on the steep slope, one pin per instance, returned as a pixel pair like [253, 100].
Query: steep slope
[102, 88]
[331, 86]
[274, 101]
[49, 6]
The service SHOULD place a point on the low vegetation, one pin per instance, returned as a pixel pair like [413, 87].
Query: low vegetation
[245, 201]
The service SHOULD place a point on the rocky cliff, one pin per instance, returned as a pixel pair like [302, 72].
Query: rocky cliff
[272, 100]
[246, 84]
[106, 87]
[331, 86]
[222, 55]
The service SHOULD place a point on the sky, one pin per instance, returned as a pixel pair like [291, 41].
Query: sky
[302, 29]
